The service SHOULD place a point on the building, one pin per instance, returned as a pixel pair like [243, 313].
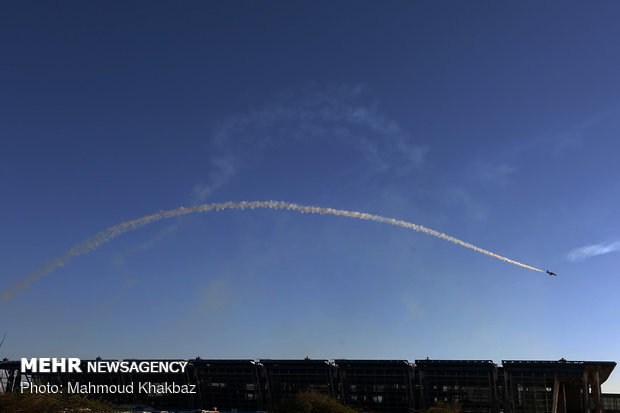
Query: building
[472, 383]
[378, 385]
[390, 386]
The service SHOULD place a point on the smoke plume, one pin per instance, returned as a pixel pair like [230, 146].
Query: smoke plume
[112, 232]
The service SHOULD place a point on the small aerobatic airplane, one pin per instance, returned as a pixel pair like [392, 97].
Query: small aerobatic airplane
[551, 273]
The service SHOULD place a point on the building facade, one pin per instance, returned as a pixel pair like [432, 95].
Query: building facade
[390, 386]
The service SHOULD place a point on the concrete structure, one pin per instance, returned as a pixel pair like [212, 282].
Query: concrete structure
[391, 386]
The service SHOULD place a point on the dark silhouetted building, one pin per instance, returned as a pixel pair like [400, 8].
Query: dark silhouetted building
[388, 386]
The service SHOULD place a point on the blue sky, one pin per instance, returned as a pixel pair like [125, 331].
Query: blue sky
[496, 123]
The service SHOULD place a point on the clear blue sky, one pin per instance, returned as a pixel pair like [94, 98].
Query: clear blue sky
[497, 123]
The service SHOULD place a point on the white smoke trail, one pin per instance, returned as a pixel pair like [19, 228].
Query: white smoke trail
[110, 233]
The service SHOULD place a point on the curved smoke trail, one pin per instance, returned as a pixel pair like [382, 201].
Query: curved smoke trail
[110, 233]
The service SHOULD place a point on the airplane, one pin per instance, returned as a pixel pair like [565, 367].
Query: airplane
[551, 273]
